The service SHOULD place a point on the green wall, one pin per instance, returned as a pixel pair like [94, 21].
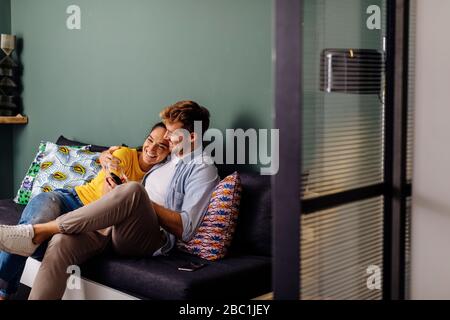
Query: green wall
[106, 83]
[5, 16]
[6, 173]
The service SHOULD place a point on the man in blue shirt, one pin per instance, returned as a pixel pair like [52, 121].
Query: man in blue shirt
[137, 219]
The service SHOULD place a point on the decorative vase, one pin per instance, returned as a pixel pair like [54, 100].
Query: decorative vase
[9, 92]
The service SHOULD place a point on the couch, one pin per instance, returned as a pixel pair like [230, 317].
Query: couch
[244, 273]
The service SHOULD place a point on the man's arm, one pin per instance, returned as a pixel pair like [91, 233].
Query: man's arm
[197, 193]
[169, 220]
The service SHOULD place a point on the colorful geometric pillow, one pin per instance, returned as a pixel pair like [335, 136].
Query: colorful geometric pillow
[216, 231]
[57, 167]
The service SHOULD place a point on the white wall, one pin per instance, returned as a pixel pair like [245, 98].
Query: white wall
[430, 277]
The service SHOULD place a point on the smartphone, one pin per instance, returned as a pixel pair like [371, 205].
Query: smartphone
[116, 179]
[191, 266]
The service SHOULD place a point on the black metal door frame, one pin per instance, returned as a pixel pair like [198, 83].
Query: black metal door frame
[288, 114]
[286, 185]
[396, 121]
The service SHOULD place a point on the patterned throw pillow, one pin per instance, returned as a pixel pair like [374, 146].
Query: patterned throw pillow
[215, 232]
[57, 167]
[24, 192]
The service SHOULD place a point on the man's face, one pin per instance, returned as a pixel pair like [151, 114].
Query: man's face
[179, 138]
[175, 136]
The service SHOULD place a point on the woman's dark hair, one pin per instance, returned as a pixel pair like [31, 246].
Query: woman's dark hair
[157, 125]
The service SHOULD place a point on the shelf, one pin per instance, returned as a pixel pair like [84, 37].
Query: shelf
[14, 120]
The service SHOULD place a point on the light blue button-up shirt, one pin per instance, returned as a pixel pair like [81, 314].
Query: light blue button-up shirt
[188, 193]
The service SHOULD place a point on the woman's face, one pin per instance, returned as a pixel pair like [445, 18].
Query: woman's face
[155, 148]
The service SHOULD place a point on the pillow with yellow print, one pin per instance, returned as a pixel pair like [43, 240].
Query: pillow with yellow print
[24, 192]
[64, 167]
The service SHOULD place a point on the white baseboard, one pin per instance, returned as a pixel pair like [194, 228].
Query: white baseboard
[89, 290]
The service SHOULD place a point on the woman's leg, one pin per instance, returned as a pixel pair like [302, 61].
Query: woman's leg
[42, 208]
[64, 251]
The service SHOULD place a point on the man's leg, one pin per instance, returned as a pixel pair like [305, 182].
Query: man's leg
[64, 251]
[135, 227]
[42, 208]
[124, 202]
[111, 209]
[139, 234]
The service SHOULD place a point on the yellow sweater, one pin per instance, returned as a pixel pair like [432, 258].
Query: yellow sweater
[93, 190]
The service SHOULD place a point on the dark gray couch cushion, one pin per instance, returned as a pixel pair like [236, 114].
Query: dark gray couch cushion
[10, 211]
[63, 141]
[254, 228]
[159, 278]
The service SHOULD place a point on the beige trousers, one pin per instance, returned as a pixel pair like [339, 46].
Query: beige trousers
[127, 222]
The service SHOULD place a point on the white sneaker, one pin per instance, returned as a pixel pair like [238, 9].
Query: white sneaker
[17, 239]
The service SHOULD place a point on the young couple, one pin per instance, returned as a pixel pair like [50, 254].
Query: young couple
[164, 199]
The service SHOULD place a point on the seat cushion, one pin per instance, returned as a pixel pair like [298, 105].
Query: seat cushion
[159, 278]
[254, 227]
[10, 211]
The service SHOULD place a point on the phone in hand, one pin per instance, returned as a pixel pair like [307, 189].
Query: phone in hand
[116, 178]
[191, 266]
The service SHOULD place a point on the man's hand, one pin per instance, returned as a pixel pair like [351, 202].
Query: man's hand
[170, 220]
[107, 160]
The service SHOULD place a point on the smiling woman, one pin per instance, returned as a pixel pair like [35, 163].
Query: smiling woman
[131, 165]
[155, 148]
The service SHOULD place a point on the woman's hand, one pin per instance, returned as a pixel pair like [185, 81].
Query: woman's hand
[110, 184]
[110, 163]
[107, 160]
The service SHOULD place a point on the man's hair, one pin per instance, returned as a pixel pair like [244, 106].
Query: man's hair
[186, 112]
